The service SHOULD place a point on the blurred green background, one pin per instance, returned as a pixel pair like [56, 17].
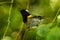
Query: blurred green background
[11, 21]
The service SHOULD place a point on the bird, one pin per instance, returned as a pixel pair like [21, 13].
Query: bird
[29, 19]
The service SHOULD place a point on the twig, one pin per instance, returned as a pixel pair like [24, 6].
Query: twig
[28, 5]
[17, 37]
[8, 20]
[5, 2]
[56, 15]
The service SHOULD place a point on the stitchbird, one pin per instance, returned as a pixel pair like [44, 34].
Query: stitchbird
[30, 19]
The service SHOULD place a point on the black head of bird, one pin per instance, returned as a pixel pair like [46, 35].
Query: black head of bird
[24, 15]
[33, 21]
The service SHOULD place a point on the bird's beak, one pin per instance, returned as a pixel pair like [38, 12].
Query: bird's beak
[29, 16]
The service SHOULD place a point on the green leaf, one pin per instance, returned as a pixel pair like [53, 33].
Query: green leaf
[30, 34]
[54, 34]
[43, 30]
[58, 20]
[16, 19]
[7, 38]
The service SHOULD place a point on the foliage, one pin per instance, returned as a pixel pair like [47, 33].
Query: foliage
[12, 26]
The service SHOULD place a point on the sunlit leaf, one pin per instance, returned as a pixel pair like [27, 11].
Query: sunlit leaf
[54, 34]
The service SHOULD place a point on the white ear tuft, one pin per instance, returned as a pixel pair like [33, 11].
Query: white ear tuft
[27, 10]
